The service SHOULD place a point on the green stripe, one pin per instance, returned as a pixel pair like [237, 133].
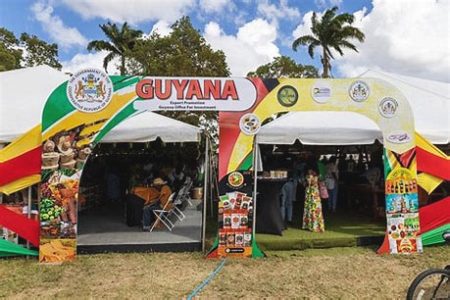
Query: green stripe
[56, 107]
[434, 236]
[387, 166]
[122, 115]
[8, 248]
[247, 163]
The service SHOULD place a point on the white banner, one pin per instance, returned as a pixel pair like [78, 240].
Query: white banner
[201, 94]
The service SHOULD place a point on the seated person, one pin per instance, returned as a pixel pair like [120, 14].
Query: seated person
[159, 202]
[135, 201]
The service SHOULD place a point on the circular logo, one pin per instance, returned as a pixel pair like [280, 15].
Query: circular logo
[399, 137]
[250, 124]
[387, 107]
[321, 92]
[89, 90]
[287, 96]
[359, 91]
[236, 179]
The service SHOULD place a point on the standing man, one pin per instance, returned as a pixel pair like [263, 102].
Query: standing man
[288, 196]
[332, 183]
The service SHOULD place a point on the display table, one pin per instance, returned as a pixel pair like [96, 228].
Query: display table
[268, 214]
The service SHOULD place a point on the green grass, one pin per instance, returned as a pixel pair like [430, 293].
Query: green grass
[340, 231]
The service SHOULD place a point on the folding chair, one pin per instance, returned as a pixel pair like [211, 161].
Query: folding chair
[163, 215]
[185, 190]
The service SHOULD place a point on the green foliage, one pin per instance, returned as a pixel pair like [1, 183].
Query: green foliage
[10, 55]
[284, 66]
[119, 42]
[184, 52]
[28, 51]
[331, 32]
[39, 52]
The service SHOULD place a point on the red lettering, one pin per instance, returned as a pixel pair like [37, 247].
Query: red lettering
[167, 89]
[194, 89]
[179, 87]
[212, 89]
[229, 90]
[144, 89]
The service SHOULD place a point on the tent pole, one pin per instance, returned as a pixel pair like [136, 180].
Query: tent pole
[29, 210]
[255, 181]
[211, 178]
[205, 191]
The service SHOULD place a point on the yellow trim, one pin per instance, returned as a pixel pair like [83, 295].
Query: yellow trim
[428, 182]
[20, 184]
[26, 142]
[77, 118]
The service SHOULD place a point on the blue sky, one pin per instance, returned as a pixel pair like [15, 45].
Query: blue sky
[250, 32]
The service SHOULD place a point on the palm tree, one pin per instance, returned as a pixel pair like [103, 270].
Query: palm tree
[119, 42]
[330, 32]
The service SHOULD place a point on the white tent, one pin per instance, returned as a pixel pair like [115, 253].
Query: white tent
[23, 94]
[148, 126]
[430, 102]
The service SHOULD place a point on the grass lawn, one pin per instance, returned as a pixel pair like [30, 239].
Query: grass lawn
[341, 230]
[338, 273]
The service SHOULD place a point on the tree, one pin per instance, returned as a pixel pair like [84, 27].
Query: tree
[283, 66]
[28, 51]
[184, 52]
[330, 32]
[39, 52]
[120, 41]
[10, 54]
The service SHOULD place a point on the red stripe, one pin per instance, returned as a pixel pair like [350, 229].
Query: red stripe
[229, 127]
[24, 227]
[434, 215]
[432, 164]
[431, 217]
[21, 166]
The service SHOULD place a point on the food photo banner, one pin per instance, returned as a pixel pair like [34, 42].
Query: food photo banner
[81, 111]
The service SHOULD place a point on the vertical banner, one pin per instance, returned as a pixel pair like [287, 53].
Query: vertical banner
[235, 215]
[402, 203]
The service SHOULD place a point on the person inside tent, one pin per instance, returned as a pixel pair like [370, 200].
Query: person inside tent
[158, 202]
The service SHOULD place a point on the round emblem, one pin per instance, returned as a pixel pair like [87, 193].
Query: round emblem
[359, 91]
[236, 179]
[287, 96]
[250, 124]
[399, 137]
[387, 107]
[321, 92]
[89, 90]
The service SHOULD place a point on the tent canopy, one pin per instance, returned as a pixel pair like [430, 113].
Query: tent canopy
[23, 94]
[430, 102]
[148, 126]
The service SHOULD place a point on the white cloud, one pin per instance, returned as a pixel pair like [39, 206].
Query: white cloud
[63, 35]
[132, 11]
[275, 13]
[327, 3]
[403, 36]
[162, 28]
[252, 46]
[215, 6]
[90, 60]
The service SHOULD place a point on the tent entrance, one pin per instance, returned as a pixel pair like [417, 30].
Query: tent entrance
[112, 175]
[360, 213]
